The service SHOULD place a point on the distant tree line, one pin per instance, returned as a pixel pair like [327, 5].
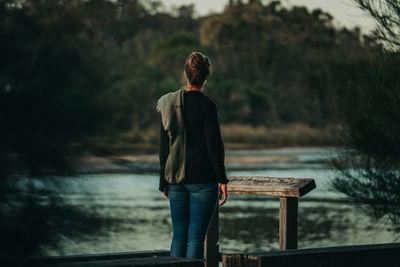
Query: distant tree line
[78, 65]
[71, 70]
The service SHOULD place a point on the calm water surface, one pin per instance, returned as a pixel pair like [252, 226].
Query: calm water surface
[139, 217]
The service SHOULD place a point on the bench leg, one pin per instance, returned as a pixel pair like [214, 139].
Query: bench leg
[288, 217]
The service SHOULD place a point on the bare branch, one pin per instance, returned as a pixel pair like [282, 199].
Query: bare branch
[386, 13]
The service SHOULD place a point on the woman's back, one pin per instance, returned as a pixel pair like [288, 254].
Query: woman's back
[204, 159]
[202, 132]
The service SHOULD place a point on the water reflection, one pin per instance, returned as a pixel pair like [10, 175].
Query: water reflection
[137, 217]
[257, 228]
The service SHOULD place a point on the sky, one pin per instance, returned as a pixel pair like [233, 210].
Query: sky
[345, 12]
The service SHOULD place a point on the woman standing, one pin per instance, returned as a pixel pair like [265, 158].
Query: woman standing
[191, 159]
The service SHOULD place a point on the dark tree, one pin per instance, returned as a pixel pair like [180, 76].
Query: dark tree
[370, 172]
[51, 78]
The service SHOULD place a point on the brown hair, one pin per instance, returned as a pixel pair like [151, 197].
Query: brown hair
[197, 68]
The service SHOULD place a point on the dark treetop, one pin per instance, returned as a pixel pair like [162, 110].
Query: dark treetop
[205, 152]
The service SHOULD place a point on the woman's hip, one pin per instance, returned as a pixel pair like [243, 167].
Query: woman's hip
[195, 188]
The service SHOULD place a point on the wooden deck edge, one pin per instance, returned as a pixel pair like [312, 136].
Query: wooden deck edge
[163, 261]
[368, 255]
[101, 256]
[332, 249]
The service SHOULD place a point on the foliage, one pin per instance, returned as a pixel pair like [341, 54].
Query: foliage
[370, 172]
[287, 65]
[386, 14]
[50, 81]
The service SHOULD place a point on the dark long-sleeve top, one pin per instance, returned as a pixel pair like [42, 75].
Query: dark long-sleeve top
[205, 152]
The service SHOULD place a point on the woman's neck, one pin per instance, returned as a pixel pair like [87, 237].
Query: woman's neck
[192, 88]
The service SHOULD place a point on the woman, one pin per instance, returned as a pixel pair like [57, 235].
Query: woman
[191, 159]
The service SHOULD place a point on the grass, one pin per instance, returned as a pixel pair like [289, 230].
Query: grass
[242, 136]
[235, 136]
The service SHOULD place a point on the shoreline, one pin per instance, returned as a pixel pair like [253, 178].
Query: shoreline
[146, 148]
[235, 137]
[238, 159]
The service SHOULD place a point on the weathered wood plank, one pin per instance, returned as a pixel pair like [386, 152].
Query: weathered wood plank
[239, 260]
[387, 255]
[136, 262]
[270, 186]
[371, 255]
[211, 244]
[102, 256]
[288, 216]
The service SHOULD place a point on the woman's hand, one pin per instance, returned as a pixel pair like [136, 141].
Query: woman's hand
[223, 191]
[165, 195]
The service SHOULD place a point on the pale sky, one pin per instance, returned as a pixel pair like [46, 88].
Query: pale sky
[345, 12]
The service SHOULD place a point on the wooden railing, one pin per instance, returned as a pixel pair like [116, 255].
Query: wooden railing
[370, 255]
[289, 190]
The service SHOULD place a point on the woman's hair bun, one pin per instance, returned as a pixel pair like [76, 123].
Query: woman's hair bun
[197, 68]
[195, 59]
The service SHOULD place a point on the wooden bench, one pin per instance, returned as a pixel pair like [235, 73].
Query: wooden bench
[372, 255]
[289, 190]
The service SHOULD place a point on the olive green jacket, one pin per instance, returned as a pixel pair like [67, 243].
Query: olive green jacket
[171, 107]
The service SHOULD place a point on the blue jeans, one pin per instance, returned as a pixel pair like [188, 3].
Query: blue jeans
[192, 207]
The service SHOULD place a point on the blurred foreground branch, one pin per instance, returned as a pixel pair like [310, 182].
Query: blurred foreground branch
[370, 172]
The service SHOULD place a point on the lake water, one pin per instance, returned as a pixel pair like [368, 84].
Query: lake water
[139, 217]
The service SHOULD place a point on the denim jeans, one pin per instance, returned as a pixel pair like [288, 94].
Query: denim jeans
[192, 207]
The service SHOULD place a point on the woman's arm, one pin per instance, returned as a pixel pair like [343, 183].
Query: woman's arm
[164, 152]
[215, 145]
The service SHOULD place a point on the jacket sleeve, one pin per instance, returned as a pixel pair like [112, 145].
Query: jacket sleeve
[163, 155]
[215, 145]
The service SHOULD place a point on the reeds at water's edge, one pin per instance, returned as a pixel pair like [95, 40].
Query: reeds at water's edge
[235, 136]
[240, 136]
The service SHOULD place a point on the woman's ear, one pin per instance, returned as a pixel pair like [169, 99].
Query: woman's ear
[184, 72]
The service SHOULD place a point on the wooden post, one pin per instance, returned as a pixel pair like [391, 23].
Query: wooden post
[288, 217]
[211, 243]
